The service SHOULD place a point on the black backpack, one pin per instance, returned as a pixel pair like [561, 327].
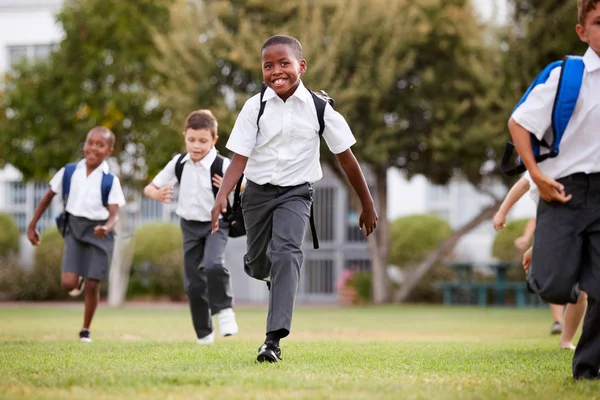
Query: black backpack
[233, 215]
[321, 99]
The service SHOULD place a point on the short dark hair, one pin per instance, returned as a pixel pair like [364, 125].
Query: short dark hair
[202, 119]
[290, 41]
[105, 131]
[584, 7]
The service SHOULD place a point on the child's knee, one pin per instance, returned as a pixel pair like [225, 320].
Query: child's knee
[69, 282]
[92, 285]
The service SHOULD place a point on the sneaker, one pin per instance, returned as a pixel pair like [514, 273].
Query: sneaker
[556, 328]
[79, 288]
[84, 336]
[269, 352]
[227, 324]
[567, 346]
[208, 339]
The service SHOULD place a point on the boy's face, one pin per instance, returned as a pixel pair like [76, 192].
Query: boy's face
[97, 147]
[589, 32]
[281, 69]
[198, 143]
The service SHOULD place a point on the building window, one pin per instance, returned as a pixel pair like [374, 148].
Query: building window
[21, 221]
[318, 277]
[362, 265]
[324, 202]
[30, 52]
[17, 193]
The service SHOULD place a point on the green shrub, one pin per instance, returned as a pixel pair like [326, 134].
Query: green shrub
[157, 262]
[412, 238]
[362, 282]
[504, 243]
[12, 278]
[9, 235]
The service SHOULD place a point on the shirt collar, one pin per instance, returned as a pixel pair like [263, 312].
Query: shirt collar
[207, 161]
[300, 93]
[591, 60]
[102, 167]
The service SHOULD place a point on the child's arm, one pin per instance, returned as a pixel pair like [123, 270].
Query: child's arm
[113, 218]
[368, 216]
[164, 194]
[514, 194]
[32, 233]
[550, 190]
[523, 241]
[230, 179]
[527, 259]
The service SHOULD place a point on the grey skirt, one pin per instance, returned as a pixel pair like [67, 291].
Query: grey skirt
[85, 254]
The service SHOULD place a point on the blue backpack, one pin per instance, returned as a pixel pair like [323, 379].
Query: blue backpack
[567, 94]
[105, 186]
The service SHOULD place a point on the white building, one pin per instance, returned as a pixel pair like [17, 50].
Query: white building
[28, 30]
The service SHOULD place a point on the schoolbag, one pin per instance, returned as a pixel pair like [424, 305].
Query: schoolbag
[105, 187]
[234, 213]
[320, 99]
[567, 94]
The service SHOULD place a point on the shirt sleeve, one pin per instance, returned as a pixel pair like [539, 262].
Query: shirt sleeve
[167, 175]
[56, 181]
[116, 195]
[243, 135]
[337, 133]
[535, 113]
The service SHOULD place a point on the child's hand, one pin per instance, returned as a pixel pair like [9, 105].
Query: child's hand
[219, 207]
[100, 231]
[368, 219]
[499, 221]
[217, 180]
[165, 194]
[33, 235]
[527, 259]
[521, 242]
[551, 190]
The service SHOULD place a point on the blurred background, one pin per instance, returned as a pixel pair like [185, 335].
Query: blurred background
[426, 85]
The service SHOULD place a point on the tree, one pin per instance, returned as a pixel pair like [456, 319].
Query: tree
[99, 74]
[412, 79]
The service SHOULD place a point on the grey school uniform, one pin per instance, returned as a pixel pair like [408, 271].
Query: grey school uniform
[85, 254]
[207, 281]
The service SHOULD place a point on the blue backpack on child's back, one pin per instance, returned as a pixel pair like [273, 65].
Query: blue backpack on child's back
[567, 94]
[105, 186]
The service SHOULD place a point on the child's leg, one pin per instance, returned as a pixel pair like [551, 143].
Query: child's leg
[290, 220]
[557, 312]
[219, 280]
[195, 281]
[92, 298]
[586, 361]
[573, 316]
[69, 280]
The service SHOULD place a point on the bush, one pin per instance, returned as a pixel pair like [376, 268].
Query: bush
[157, 262]
[362, 282]
[504, 243]
[9, 236]
[12, 278]
[412, 238]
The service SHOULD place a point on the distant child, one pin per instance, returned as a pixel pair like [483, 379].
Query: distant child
[88, 234]
[206, 279]
[566, 250]
[573, 313]
[280, 155]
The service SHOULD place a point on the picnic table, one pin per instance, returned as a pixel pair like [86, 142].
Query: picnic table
[467, 288]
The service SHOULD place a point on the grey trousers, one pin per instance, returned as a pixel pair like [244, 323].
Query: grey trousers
[276, 218]
[206, 280]
[566, 257]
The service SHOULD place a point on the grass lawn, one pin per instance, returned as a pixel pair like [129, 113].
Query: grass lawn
[414, 352]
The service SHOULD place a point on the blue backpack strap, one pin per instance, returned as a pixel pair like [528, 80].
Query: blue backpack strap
[105, 186]
[569, 86]
[66, 180]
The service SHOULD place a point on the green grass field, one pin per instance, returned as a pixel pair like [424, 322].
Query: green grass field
[364, 353]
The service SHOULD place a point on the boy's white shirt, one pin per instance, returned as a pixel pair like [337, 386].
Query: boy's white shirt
[196, 198]
[285, 152]
[534, 193]
[580, 145]
[85, 197]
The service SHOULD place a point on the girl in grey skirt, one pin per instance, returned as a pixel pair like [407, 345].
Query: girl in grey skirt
[92, 197]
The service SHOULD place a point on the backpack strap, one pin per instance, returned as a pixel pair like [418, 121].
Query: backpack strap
[261, 110]
[567, 93]
[179, 167]
[216, 168]
[66, 180]
[320, 104]
[106, 186]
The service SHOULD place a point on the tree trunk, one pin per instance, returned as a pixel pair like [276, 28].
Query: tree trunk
[378, 241]
[443, 249]
[121, 263]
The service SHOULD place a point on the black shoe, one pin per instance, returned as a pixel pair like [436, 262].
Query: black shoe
[269, 352]
[84, 336]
